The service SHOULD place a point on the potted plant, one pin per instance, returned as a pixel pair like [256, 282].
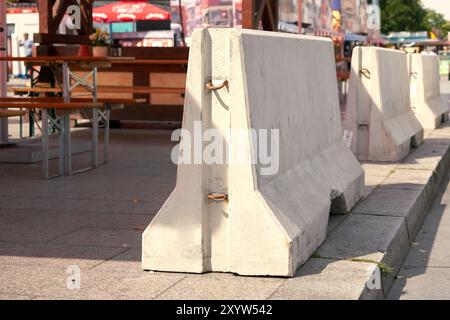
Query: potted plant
[100, 41]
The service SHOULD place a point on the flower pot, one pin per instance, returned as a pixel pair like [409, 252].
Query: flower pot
[100, 51]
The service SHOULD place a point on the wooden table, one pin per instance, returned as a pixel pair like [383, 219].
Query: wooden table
[47, 106]
[69, 83]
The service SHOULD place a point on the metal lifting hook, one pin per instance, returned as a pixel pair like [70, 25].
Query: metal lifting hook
[217, 196]
[366, 73]
[210, 85]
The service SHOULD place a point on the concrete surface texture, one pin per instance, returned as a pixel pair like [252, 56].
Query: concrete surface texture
[378, 110]
[30, 151]
[95, 221]
[272, 222]
[92, 220]
[425, 273]
[429, 105]
[381, 227]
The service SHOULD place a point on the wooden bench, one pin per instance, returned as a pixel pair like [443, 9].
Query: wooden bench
[11, 113]
[63, 126]
[51, 105]
[28, 90]
[141, 90]
[77, 100]
[103, 89]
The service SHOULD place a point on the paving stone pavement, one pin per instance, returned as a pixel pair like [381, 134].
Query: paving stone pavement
[95, 220]
[425, 273]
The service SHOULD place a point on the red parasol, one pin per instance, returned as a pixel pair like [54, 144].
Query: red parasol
[129, 11]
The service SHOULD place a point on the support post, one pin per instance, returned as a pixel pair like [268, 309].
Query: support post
[52, 13]
[3, 69]
[45, 144]
[107, 131]
[95, 119]
[255, 12]
[67, 153]
[299, 15]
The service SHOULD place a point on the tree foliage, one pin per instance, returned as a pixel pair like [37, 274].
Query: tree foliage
[410, 15]
[401, 15]
[436, 23]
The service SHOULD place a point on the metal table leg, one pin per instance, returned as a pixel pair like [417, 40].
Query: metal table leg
[67, 145]
[31, 127]
[65, 139]
[61, 151]
[21, 126]
[45, 145]
[107, 131]
[95, 119]
[65, 126]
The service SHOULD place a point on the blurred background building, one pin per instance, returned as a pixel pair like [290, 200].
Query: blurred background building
[320, 17]
[163, 23]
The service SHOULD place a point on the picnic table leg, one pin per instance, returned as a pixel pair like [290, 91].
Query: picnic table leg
[106, 148]
[61, 145]
[66, 146]
[95, 118]
[4, 134]
[21, 126]
[31, 126]
[44, 145]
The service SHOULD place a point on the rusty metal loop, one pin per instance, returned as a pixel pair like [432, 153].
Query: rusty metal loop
[210, 85]
[217, 196]
[366, 73]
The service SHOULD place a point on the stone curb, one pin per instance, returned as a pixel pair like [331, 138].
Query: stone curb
[380, 228]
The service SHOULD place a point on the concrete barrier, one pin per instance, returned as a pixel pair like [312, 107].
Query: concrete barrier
[378, 110]
[427, 103]
[269, 224]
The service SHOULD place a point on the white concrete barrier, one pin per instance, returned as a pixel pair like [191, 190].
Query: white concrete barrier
[378, 110]
[273, 218]
[427, 103]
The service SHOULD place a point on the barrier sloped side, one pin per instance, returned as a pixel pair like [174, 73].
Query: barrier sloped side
[378, 110]
[429, 106]
[273, 221]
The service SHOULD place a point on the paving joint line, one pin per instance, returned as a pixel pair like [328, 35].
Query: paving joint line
[168, 288]
[63, 244]
[109, 259]
[62, 236]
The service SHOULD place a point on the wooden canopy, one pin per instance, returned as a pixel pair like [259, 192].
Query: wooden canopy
[255, 13]
[52, 12]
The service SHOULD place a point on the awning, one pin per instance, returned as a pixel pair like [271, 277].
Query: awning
[407, 37]
[335, 36]
[129, 11]
[327, 33]
[323, 33]
[355, 37]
